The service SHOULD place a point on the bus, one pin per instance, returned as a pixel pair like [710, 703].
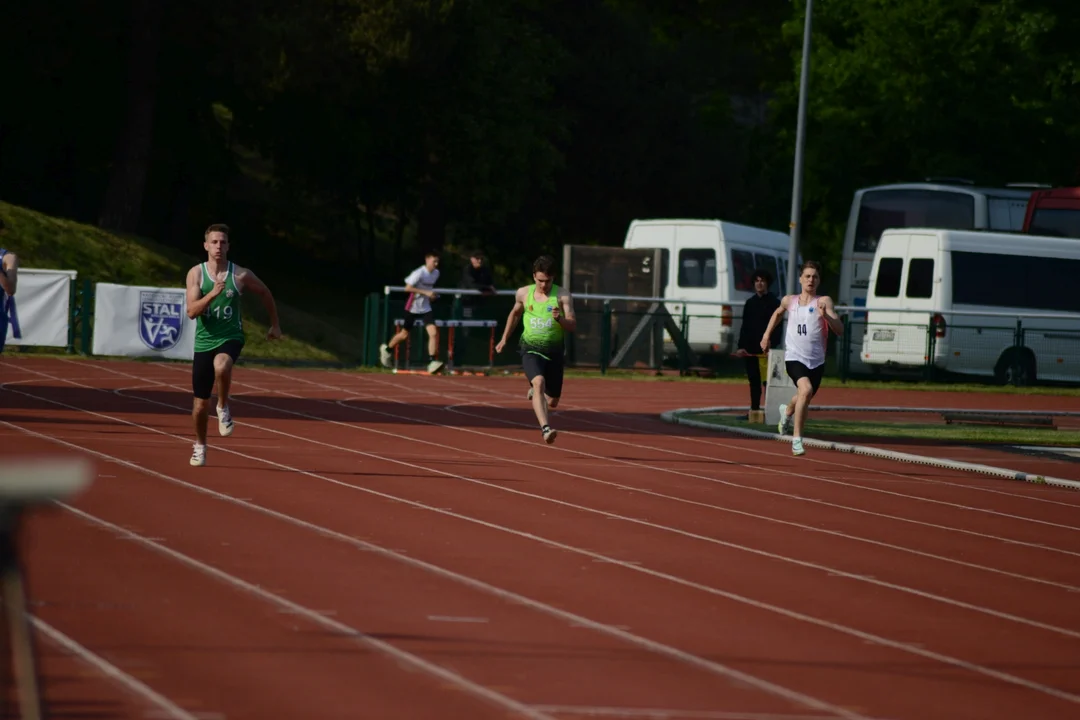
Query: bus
[947, 204]
[1055, 212]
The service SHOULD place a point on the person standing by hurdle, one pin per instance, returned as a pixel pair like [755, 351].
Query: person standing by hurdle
[213, 301]
[758, 309]
[420, 284]
[809, 319]
[9, 281]
[548, 312]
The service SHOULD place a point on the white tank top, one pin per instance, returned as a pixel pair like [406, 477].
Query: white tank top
[804, 340]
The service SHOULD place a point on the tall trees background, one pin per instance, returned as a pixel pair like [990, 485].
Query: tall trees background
[357, 132]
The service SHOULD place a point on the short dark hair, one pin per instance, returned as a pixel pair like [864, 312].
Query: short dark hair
[431, 253]
[810, 264]
[763, 274]
[217, 227]
[544, 264]
[477, 254]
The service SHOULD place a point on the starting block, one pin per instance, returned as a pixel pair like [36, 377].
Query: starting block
[451, 326]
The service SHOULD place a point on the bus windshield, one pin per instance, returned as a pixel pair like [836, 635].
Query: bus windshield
[899, 208]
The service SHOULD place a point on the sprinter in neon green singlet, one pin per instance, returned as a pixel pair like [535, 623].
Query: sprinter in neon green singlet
[548, 313]
[214, 289]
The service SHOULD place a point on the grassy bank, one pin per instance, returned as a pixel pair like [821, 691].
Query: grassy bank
[46, 242]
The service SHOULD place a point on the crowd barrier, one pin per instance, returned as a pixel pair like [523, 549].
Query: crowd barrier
[54, 309]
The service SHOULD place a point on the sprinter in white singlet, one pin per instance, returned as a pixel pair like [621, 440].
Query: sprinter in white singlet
[809, 319]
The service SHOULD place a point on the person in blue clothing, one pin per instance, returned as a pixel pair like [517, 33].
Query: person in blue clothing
[9, 281]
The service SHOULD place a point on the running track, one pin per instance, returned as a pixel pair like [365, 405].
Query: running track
[378, 546]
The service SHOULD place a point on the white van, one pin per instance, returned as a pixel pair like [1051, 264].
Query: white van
[713, 261]
[958, 205]
[940, 272]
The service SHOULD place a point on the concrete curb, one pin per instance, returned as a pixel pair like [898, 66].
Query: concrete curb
[678, 417]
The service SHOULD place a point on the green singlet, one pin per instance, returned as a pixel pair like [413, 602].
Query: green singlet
[540, 333]
[220, 321]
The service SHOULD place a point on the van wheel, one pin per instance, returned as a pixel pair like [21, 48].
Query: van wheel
[1016, 366]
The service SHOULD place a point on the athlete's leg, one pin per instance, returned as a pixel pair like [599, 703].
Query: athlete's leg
[399, 337]
[553, 381]
[432, 345]
[200, 413]
[202, 385]
[223, 365]
[539, 400]
[802, 403]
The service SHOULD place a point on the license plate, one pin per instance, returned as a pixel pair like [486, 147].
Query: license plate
[884, 335]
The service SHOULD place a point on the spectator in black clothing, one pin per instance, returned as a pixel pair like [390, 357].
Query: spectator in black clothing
[758, 309]
[476, 276]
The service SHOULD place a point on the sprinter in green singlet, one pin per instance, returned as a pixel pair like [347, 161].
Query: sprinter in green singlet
[213, 301]
[549, 314]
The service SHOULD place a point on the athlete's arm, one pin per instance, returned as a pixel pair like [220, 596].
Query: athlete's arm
[247, 280]
[9, 279]
[828, 311]
[773, 320]
[512, 319]
[567, 319]
[196, 301]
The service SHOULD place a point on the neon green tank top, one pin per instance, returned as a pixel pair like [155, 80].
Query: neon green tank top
[540, 333]
[220, 321]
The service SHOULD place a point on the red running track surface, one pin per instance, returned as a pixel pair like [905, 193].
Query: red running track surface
[379, 546]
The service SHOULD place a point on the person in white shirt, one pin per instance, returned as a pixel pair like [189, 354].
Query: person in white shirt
[809, 319]
[420, 285]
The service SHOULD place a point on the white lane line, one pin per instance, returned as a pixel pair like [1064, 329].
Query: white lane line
[164, 704]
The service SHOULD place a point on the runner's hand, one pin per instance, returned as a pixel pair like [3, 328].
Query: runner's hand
[500, 346]
[274, 333]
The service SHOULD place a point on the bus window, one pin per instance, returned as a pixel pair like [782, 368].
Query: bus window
[884, 209]
[888, 277]
[1006, 213]
[1057, 222]
[1038, 286]
[697, 268]
[742, 267]
[768, 262]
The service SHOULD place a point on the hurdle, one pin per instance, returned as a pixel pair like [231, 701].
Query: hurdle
[451, 326]
[26, 483]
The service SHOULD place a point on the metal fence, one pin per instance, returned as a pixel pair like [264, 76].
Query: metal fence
[617, 331]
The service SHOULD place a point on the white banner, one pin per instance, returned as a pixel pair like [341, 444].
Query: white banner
[134, 321]
[40, 311]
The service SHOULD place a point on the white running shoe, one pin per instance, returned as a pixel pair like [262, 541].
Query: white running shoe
[198, 455]
[224, 421]
[385, 357]
[786, 421]
[530, 395]
[549, 435]
[434, 366]
[796, 446]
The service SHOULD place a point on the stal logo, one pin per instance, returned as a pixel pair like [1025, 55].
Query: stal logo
[161, 318]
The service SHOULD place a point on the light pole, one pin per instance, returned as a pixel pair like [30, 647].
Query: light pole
[800, 142]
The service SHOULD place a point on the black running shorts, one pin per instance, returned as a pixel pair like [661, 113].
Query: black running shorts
[796, 370]
[550, 368]
[202, 367]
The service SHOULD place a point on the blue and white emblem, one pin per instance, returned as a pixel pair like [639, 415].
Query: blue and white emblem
[161, 318]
